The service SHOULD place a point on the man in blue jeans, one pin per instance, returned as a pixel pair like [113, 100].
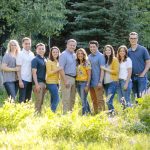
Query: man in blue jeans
[140, 65]
[23, 61]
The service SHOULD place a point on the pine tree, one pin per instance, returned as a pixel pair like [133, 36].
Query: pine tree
[91, 21]
[107, 21]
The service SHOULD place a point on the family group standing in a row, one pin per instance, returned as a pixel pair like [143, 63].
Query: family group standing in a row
[96, 73]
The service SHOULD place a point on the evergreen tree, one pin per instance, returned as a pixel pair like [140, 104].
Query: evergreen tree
[107, 21]
[142, 19]
[122, 15]
[91, 21]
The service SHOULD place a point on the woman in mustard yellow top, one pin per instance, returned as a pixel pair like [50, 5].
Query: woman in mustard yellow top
[83, 78]
[111, 75]
[52, 76]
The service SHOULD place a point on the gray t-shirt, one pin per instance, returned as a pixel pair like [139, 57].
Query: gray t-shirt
[11, 63]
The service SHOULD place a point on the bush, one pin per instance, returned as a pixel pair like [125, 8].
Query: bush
[12, 114]
[21, 128]
[144, 112]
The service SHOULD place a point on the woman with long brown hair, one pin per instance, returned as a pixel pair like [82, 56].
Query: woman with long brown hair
[125, 71]
[83, 78]
[111, 75]
[52, 76]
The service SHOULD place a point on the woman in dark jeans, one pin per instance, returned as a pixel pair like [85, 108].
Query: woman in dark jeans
[125, 71]
[10, 70]
[111, 75]
[83, 79]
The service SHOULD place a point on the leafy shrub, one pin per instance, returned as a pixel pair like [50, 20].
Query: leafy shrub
[12, 114]
[144, 112]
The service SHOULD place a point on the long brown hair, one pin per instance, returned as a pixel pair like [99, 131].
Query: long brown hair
[84, 56]
[50, 53]
[111, 56]
[126, 53]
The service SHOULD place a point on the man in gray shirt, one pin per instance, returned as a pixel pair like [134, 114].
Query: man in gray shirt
[67, 61]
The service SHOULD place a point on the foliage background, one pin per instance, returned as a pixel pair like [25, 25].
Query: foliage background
[55, 21]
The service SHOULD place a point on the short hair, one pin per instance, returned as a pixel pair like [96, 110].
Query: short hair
[94, 42]
[40, 44]
[133, 33]
[26, 38]
[71, 40]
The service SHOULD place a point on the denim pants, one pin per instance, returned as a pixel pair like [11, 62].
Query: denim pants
[80, 85]
[124, 93]
[139, 86]
[110, 90]
[11, 89]
[54, 96]
[25, 93]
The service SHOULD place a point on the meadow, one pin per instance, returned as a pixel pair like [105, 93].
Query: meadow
[22, 128]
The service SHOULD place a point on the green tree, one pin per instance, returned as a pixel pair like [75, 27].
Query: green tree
[121, 15]
[142, 19]
[107, 21]
[91, 21]
[27, 17]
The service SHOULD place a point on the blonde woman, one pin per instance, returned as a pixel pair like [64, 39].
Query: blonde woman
[9, 69]
[83, 78]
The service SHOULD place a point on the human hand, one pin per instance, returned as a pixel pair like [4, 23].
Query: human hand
[21, 85]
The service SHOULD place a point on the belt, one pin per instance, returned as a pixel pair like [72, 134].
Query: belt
[135, 75]
[70, 76]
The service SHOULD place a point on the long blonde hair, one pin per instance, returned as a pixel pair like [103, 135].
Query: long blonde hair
[9, 46]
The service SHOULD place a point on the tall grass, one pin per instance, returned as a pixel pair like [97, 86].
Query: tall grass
[21, 128]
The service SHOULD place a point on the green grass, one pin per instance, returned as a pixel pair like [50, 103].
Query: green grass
[21, 128]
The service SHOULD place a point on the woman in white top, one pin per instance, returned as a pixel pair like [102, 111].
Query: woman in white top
[125, 71]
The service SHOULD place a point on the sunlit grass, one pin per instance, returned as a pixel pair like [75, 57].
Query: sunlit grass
[22, 128]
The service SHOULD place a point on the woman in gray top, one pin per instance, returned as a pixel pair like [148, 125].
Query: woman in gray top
[10, 70]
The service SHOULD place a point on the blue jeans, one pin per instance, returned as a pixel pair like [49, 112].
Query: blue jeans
[139, 86]
[11, 89]
[110, 90]
[80, 85]
[124, 93]
[54, 96]
[25, 93]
